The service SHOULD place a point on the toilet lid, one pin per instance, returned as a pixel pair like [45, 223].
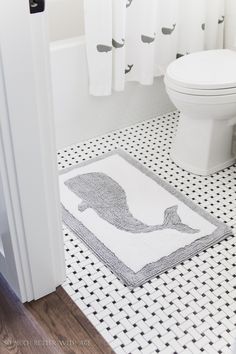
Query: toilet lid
[207, 70]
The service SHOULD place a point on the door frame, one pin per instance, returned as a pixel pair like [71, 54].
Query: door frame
[28, 153]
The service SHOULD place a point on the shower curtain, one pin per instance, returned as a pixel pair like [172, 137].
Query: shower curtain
[135, 40]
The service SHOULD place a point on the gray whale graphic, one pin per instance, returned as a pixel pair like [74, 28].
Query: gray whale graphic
[129, 68]
[147, 39]
[117, 44]
[221, 20]
[108, 199]
[129, 2]
[179, 55]
[168, 31]
[102, 48]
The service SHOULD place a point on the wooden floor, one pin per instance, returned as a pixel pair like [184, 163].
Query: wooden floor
[53, 324]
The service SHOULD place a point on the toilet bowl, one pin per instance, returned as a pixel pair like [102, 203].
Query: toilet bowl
[202, 86]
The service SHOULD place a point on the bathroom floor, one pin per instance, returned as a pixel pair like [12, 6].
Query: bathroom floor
[192, 307]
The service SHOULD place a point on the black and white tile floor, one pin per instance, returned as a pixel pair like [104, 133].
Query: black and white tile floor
[192, 307]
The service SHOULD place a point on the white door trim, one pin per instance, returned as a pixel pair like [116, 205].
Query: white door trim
[17, 265]
[28, 153]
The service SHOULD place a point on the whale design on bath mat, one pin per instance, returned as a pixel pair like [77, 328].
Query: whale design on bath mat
[108, 199]
[168, 31]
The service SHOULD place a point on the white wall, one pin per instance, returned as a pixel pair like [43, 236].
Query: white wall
[230, 24]
[66, 18]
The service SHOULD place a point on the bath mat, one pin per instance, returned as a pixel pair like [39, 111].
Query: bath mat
[135, 223]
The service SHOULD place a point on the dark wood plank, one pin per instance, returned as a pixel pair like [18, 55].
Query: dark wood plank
[57, 319]
[83, 320]
[19, 333]
[53, 324]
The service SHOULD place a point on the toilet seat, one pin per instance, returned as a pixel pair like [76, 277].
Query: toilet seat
[210, 73]
[198, 92]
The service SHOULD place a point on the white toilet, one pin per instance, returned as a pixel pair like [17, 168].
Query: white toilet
[202, 86]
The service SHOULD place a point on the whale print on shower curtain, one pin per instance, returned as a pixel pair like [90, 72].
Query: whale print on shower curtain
[135, 40]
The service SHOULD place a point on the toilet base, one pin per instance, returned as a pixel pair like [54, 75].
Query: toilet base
[199, 172]
[203, 146]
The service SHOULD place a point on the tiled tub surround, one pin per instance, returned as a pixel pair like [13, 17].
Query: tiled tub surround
[192, 307]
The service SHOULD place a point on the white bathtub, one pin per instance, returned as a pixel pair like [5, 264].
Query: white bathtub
[79, 116]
